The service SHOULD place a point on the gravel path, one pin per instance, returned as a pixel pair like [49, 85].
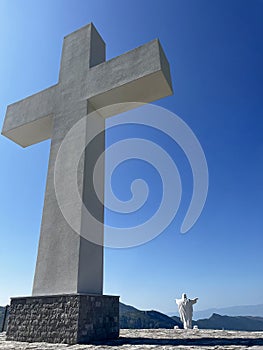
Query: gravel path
[158, 339]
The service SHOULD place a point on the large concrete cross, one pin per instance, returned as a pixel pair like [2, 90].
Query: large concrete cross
[67, 263]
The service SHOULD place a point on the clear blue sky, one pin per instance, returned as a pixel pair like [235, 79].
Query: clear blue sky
[215, 50]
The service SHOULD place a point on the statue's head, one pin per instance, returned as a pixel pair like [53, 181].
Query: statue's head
[184, 296]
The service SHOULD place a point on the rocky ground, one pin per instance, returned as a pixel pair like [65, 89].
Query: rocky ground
[158, 339]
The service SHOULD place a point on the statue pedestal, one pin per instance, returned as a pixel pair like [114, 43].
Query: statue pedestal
[68, 318]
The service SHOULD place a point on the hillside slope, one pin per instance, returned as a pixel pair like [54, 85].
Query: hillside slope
[131, 317]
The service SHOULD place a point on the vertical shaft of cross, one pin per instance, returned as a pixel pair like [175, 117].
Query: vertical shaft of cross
[90, 254]
[67, 262]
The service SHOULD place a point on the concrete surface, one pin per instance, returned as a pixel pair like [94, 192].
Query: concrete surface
[158, 339]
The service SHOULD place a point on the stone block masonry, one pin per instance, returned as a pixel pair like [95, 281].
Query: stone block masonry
[65, 318]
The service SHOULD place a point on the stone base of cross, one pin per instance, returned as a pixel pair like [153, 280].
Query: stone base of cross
[68, 282]
[67, 318]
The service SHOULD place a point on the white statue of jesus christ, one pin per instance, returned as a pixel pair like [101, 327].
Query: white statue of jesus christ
[185, 307]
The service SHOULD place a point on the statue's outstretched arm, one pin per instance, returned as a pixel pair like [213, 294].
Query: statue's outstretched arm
[194, 300]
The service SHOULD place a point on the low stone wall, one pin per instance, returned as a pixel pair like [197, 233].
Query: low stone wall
[67, 319]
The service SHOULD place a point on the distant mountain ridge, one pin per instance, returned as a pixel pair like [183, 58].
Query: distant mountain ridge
[237, 323]
[130, 317]
[239, 310]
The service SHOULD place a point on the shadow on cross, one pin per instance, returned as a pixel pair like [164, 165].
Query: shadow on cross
[187, 342]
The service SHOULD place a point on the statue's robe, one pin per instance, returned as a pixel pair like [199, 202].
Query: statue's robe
[185, 307]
